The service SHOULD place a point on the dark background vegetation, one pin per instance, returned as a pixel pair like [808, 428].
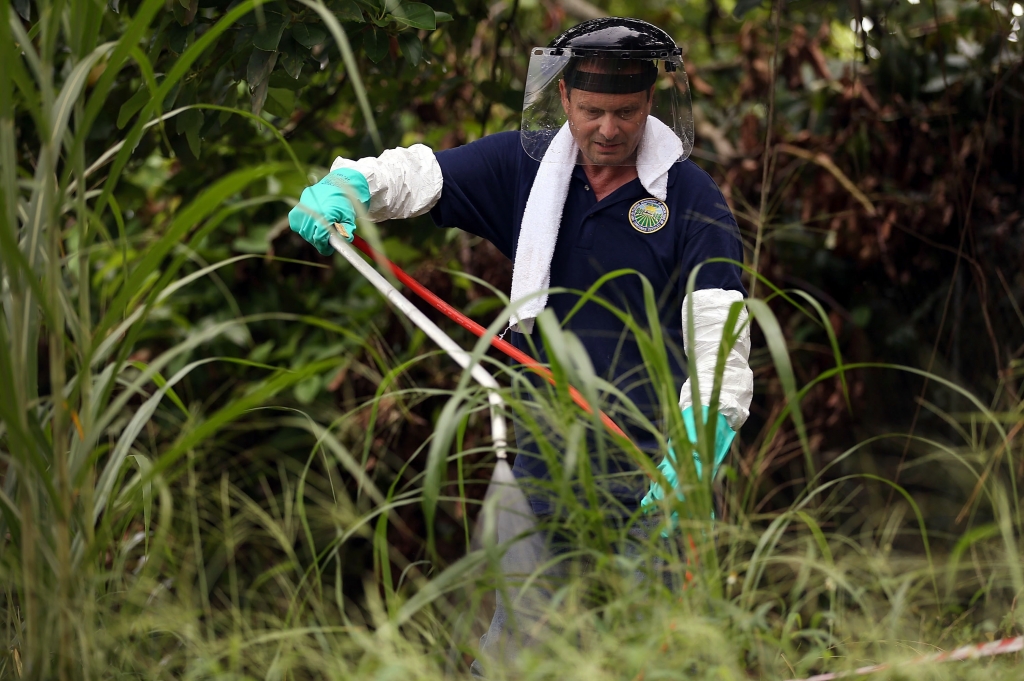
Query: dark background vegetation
[894, 197]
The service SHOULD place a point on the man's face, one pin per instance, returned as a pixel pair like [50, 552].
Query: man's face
[607, 128]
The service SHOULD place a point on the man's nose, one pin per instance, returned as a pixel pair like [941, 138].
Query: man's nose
[609, 128]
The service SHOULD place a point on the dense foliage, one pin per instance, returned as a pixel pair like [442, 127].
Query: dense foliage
[214, 442]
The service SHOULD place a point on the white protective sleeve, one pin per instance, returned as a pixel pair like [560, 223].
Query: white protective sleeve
[403, 183]
[710, 310]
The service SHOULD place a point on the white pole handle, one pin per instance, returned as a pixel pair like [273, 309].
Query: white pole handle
[498, 430]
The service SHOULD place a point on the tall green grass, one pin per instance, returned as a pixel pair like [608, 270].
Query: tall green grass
[129, 550]
[72, 402]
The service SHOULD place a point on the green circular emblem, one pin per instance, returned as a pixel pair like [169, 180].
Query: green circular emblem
[648, 215]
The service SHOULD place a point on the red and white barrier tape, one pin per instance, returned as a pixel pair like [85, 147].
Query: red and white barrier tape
[969, 652]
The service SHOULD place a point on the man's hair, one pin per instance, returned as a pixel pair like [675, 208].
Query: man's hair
[611, 76]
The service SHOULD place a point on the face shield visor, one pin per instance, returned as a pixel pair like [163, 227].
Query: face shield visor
[621, 107]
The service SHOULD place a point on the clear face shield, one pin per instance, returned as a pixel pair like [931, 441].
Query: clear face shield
[618, 108]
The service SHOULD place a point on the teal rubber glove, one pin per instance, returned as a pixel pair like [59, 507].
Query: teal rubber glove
[724, 436]
[327, 202]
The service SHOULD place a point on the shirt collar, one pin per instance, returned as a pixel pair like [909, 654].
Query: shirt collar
[581, 176]
[631, 191]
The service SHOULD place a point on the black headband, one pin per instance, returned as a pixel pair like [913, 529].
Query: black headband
[612, 83]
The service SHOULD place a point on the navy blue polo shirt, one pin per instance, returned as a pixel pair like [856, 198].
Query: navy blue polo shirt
[486, 185]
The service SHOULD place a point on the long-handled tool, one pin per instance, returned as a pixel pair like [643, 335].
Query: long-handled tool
[503, 494]
[498, 430]
[471, 326]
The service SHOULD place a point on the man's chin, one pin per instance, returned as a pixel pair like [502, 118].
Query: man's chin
[601, 157]
[615, 155]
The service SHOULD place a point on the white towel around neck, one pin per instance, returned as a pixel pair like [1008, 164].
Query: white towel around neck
[659, 149]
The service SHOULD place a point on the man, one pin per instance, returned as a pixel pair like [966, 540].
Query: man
[595, 181]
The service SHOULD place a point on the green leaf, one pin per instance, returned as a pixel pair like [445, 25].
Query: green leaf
[411, 46]
[281, 78]
[161, 382]
[192, 118]
[415, 15]
[280, 102]
[261, 352]
[400, 251]
[192, 136]
[308, 35]
[255, 241]
[442, 17]
[268, 13]
[187, 92]
[190, 122]
[291, 61]
[132, 107]
[482, 305]
[185, 11]
[346, 10]
[145, 466]
[177, 38]
[307, 390]
[262, 74]
[260, 66]
[375, 44]
[270, 36]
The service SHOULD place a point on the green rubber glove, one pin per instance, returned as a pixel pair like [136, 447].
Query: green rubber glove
[724, 436]
[327, 202]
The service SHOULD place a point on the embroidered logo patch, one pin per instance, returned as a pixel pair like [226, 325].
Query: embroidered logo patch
[648, 215]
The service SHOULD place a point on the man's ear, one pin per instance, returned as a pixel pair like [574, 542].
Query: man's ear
[565, 96]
